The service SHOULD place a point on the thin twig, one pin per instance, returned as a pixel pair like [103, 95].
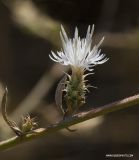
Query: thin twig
[78, 118]
[9, 122]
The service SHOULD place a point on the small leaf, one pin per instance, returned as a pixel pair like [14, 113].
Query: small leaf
[59, 93]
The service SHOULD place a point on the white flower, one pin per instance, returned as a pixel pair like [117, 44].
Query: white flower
[78, 52]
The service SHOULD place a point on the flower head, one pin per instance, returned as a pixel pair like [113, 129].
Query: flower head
[80, 55]
[78, 52]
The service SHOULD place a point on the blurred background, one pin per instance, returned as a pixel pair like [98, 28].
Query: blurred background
[29, 30]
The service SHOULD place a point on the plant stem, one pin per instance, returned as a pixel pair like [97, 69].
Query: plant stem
[78, 118]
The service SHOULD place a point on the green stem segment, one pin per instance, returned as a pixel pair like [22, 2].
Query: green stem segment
[78, 118]
[75, 91]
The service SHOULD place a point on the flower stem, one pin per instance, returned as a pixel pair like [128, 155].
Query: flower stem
[78, 118]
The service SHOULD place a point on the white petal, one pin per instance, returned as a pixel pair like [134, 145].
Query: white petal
[101, 41]
[53, 58]
[76, 33]
[64, 33]
[78, 52]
